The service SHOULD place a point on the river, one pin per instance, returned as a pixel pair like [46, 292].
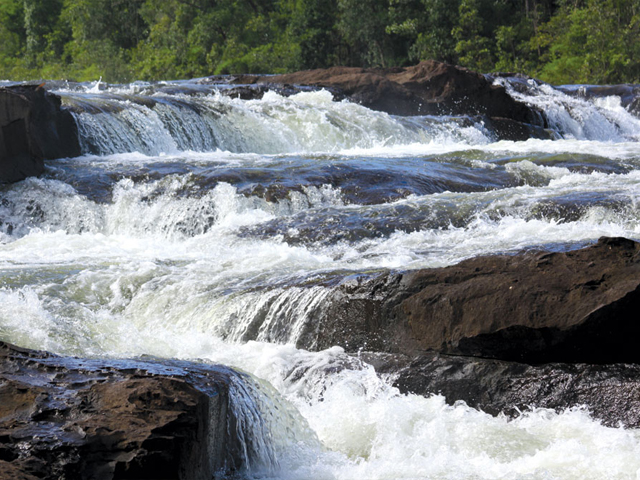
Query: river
[204, 227]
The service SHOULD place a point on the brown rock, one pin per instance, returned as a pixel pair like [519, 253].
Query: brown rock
[429, 88]
[536, 307]
[611, 393]
[106, 419]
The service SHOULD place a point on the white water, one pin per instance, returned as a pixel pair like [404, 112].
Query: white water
[170, 268]
[602, 119]
[305, 122]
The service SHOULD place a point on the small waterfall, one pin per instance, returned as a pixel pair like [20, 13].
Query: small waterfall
[265, 428]
[118, 123]
[160, 209]
[114, 122]
[279, 315]
[575, 116]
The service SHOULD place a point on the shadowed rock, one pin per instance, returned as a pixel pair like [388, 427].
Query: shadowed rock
[610, 392]
[112, 419]
[33, 127]
[577, 306]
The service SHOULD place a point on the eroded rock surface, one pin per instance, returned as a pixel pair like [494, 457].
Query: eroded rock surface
[33, 127]
[111, 419]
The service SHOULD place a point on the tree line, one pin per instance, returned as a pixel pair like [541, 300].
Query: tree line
[558, 41]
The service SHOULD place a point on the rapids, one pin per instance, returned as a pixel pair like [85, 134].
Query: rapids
[200, 226]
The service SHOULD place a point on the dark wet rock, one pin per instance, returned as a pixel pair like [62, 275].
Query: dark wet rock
[572, 207]
[509, 129]
[535, 307]
[33, 127]
[247, 92]
[611, 393]
[429, 88]
[80, 419]
[634, 106]
[257, 90]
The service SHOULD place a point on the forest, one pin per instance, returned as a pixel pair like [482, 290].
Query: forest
[557, 41]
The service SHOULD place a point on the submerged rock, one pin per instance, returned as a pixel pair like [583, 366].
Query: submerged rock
[33, 127]
[112, 419]
[536, 307]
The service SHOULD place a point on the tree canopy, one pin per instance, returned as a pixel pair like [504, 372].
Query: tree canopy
[560, 41]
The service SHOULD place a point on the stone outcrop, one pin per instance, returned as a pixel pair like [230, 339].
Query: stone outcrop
[33, 127]
[536, 307]
[429, 88]
[80, 419]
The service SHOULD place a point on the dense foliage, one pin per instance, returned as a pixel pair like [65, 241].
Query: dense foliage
[560, 41]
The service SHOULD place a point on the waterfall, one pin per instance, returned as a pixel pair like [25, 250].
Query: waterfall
[575, 116]
[154, 122]
[306, 122]
[264, 428]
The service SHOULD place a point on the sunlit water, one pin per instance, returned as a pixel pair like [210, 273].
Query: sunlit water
[198, 226]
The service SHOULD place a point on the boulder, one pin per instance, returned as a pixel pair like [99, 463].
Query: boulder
[76, 418]
[513, 130]
[33, 127]
[611, 393]
[533, 307]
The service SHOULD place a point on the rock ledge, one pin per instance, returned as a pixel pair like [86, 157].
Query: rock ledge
[72, 418]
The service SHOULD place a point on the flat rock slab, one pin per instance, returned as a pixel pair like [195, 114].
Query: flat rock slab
[73, 418]
[580, 306]
[611, 393]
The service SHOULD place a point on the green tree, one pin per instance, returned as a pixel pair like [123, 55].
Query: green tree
[362, 25]
[13, 36]
[313, 23]
[578, 49]
[103, 34]
[473, 49]
[435, 40]
[46, 32]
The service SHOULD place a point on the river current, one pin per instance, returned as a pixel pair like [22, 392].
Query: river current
[191, 214]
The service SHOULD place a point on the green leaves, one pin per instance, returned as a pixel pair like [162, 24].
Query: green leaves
[560, 41]
[596, 42]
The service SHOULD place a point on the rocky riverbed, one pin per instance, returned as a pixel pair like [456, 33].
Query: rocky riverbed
[492, 266]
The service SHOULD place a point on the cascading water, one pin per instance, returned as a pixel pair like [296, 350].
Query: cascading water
[200, 226]
[306, 122]
[573, 116]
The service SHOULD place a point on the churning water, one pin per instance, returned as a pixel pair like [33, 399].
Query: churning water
[200, 226]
